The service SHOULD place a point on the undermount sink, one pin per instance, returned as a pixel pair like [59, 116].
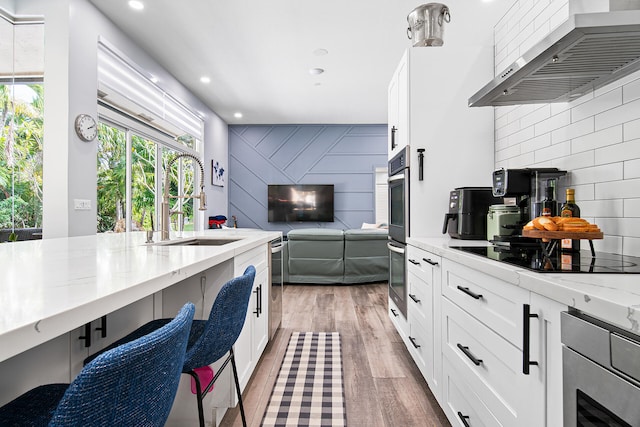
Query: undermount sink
[198, 241]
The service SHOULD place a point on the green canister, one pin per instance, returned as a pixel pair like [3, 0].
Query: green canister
[499, 217]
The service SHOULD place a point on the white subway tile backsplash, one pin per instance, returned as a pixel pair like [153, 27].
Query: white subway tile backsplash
[601, 208]
[574, 161]
[537, 114]
[553, 123]
[574, 130]
[618, 152]
[631, 130]
[553, 152]
[631, 246]
[632, 208]
[604, 137]
[597, 105]
[627, 189]
[631, 91]
[615, 116]
[596, 137]
[632, 169]
[599, 174]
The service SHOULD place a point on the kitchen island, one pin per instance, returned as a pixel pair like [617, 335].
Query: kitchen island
[52, 288]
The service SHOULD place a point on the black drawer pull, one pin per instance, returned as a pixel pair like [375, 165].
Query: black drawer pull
[395, 313]
[467, 353]
[87, 335]
[414, 262]
[464, 419]
[468, 292]
[103, 326]
[526, 348]
[413, 341]
[428, 260]
[414, 298]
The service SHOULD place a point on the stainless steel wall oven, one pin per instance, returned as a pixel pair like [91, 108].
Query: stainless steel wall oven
[398, 227]
[601, 373]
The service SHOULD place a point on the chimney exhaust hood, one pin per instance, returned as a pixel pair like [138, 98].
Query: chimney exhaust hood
[584, 53]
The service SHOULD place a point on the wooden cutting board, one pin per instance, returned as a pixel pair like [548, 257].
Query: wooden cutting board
[557, 235]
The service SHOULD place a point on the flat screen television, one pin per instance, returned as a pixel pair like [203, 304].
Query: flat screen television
[302, 202]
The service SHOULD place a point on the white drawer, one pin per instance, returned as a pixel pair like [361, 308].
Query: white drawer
[461, 402]
[422, 263]
[421, 345]
[256, 257]
[490, 364]
[398, 320]
[495, 303]
[420, 298]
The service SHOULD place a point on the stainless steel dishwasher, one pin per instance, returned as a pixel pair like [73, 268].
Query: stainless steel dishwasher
[276, 247]
[601, 373]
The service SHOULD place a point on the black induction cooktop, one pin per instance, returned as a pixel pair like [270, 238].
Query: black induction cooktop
[532, 258]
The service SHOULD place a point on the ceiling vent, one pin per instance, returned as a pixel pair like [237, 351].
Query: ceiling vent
[585, 53]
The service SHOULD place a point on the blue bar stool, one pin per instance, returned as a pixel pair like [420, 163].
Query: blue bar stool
[116, 388]
[211, 339]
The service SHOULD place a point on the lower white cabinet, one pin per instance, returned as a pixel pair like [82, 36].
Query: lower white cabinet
[489, 350]
[255, 335]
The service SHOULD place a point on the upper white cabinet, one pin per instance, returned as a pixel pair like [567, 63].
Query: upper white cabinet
[428, 111]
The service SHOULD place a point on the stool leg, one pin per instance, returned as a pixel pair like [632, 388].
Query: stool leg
[199, 397]
[235, 377]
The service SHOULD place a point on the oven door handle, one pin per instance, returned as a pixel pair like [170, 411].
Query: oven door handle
[396, 177]
[395, 249]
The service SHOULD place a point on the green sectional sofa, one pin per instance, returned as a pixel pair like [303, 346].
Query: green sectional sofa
[322, 255]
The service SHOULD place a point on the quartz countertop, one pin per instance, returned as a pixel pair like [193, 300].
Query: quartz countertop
[52, 286]
[614, 298]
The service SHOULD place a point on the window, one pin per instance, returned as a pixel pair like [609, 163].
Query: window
[21, 123]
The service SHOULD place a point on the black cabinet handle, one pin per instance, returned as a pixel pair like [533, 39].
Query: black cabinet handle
[103, 326]
[526, 349]
[430, 261]
[464, 419]
[257, 292]
[470, 355]
[87, 335]
[393, 137]
[413, 341]
[414, 298]
[414, 262]
[395, 313]
[470, 293]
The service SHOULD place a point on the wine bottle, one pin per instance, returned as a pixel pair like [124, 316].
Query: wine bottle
[570, 209]
[549, 204]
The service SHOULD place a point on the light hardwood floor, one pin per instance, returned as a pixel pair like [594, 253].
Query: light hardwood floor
[383, 386]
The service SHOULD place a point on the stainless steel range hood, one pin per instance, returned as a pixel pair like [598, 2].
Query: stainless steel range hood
[586, 52]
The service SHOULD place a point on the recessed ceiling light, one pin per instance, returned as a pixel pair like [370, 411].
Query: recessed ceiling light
[237, 115]
[205, 79]
[317, 84]
[136, 4]
[320, 52]
[316, 71]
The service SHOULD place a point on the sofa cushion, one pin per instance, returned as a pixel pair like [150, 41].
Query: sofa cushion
[366, 234]
[315, 234]
[366, 256]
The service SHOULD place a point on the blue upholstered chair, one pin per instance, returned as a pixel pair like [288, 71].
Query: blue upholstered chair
[212, 339]
[130, 385]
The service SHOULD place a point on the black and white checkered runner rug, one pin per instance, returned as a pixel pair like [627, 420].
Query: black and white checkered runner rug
[309, 389]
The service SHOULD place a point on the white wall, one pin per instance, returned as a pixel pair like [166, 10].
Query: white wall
[596, 137]
[8, 5]
[72, 30]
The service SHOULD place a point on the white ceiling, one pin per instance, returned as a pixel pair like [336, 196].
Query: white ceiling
[258, 54]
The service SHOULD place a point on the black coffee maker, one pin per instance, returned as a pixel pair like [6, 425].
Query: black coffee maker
[528, 186]
[467, 216]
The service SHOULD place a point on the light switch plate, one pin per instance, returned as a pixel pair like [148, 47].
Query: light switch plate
[82, 204]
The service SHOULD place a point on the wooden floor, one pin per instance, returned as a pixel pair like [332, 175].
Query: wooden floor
[383, 386]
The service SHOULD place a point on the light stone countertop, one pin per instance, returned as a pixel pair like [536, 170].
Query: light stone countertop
[51, 286]
[614, 298]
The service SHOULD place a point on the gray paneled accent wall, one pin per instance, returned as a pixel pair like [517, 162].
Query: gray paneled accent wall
[343, 155]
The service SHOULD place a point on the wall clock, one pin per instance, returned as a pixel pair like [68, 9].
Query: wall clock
[86, 127]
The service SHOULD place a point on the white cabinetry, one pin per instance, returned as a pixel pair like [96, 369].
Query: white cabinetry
[423, 314]
[490, 330]
[427, 109]
[255, 334]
